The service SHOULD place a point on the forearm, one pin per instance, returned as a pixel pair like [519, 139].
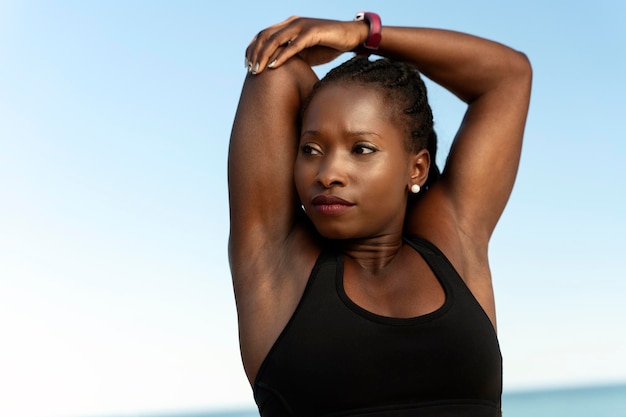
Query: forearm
[466, 65]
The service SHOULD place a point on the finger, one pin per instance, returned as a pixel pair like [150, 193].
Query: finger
[293, 40]
[281, 45]
[260, 42]
[268, 50]
[305, 33]
[282, 55]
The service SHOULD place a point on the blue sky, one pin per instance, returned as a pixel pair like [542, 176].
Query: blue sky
[115, 293]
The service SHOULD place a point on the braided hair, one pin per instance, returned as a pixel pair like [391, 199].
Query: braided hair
[403, 87]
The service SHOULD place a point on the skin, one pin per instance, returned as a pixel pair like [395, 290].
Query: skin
[351, 147]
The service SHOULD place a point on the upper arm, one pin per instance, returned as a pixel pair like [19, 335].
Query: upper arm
[261, 155]
[482, 164]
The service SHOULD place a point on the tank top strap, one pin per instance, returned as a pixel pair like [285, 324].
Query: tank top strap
[435, 258]
[447, 274]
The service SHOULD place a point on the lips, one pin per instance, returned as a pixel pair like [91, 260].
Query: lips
[330, 204]
[329, 200]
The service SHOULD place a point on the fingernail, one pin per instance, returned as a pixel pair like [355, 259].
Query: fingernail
[256, 68]
[247, 63]
[271, 64]
[249, 66]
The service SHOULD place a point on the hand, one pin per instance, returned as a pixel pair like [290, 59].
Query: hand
[317, 41]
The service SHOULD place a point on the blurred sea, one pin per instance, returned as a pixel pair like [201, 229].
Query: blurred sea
[599, 401]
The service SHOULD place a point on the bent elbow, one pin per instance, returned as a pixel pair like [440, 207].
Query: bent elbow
[522, 67]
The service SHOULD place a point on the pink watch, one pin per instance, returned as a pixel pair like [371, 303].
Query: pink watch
[373, 38]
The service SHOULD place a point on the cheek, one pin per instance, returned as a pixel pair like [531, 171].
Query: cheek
[389, 176]
[301, 176]
[391, 192]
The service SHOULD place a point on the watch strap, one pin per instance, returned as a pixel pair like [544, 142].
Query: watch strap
[375, 33]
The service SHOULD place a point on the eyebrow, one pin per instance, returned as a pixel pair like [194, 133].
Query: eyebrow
[353, 133]
[310, 132]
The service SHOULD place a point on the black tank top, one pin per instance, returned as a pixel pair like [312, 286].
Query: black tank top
[336, 359]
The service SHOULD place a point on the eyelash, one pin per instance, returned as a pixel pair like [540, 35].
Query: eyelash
[309, 150]
[360, 149]
[369, 148]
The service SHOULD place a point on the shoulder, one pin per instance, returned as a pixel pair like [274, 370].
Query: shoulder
[434, 217]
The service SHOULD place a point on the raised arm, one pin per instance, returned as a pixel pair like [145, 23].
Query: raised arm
[262, 151]
[494, 80]
[263, 206]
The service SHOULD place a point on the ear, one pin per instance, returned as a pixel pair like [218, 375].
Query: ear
[420, 164]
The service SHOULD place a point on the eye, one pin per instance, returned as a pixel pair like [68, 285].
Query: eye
[364, 149]
[309, 149]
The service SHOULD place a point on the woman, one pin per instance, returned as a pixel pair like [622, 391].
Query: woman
[361, 275]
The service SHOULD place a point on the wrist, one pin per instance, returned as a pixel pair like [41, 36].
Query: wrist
[374, 35]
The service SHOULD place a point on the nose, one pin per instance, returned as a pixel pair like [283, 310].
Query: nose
[332, 171]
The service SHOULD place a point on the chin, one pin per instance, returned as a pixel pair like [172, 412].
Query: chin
[333, 232]
[339, 232]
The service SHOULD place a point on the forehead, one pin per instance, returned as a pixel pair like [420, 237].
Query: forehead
[351, 107]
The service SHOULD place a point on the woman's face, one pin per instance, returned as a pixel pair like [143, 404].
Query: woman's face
[352, 171]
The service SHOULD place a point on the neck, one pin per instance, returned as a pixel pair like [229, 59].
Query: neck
[373, 255]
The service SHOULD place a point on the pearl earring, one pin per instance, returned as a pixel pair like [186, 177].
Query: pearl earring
[415, 188]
